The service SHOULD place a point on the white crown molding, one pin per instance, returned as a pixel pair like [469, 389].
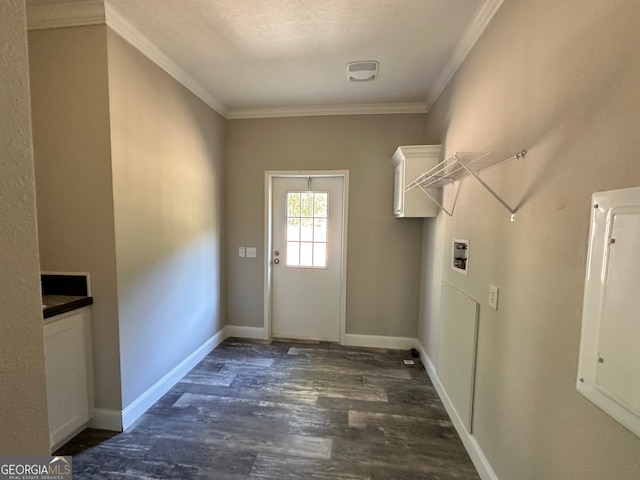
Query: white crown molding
[100, 12]
[323, 110]
[132, 35]
[96, 12]
[481, 19]
[73, 14]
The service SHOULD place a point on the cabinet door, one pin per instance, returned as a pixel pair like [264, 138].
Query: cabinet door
[398, 190]
[67, 380]
[410, 162]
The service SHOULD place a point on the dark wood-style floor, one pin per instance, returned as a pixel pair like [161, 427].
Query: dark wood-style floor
[285, 410]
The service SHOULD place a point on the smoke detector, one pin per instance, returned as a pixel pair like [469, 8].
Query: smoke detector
[362, 71]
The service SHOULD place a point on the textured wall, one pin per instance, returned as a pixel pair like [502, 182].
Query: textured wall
[383, 269]
[561, 79]
[23, 407]
[167, 190]
[70, 104]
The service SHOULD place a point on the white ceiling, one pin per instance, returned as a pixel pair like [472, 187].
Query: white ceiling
[261, 57]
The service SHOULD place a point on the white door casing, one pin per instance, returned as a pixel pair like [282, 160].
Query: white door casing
[306, 300]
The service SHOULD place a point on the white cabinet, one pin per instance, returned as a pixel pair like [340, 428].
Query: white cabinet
[67, 346]
[410, 162]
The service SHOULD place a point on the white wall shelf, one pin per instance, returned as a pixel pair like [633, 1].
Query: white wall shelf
[459, 166]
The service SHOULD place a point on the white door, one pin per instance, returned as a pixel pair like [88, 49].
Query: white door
[308, 222]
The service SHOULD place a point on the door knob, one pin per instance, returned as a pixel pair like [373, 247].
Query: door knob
[276, 253]
[276, 261]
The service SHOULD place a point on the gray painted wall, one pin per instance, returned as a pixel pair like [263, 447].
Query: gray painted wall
[129, 181]
[70, 103]
[383, 268]
[561, 79]
[167, 189]
[23, 403]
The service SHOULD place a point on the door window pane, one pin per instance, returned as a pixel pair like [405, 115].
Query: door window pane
[306, 254]
[307, 204]
[293, 204]
[293, 254]
[320, 230]
[307, 214]
[293, 229]
[320, 205]
[319, 254]
[306, 233]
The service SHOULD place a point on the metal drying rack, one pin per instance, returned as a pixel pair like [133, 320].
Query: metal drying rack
[459, 166]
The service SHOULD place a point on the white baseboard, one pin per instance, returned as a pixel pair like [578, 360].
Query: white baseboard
[379, 341]
[119, 421]
[145, 401]
[106, 419]
[243, 332]
[478, 457]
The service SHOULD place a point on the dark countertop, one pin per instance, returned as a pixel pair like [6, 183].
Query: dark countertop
[53, 305]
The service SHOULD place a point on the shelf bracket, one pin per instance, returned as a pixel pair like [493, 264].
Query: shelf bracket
[488, 188]
[424, 190]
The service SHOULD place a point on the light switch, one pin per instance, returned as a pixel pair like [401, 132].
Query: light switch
[493, 296]
[241, 251]
[251, 252]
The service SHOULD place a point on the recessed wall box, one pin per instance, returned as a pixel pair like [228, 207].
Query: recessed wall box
[460, 256]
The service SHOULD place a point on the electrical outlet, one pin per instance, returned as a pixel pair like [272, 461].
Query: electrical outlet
[251, 252]
[493, 296]
[241, 252]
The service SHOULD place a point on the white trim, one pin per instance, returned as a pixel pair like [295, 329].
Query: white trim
[380, 341]
[62, 440]
[145, 401]
[481, 19]
[71, 14]
[323, 110]
[269, 175]
[98, 12]
[243, 332]
[474, 450]
[132, 35]
[118, 421]
[105, 419]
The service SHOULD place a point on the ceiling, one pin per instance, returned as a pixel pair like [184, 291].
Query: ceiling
[256, 58]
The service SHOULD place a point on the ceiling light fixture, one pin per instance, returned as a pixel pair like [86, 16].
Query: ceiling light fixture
[362, 71]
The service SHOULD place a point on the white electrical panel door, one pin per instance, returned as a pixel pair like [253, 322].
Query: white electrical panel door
[609, 370]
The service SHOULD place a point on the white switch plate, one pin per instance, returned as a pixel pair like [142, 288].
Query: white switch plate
[493, 296]
[251, 252]
[241, 251]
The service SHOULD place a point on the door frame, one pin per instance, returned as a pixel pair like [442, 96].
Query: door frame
[269, 177]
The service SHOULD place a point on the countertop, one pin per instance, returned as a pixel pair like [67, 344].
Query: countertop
[53, 305]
